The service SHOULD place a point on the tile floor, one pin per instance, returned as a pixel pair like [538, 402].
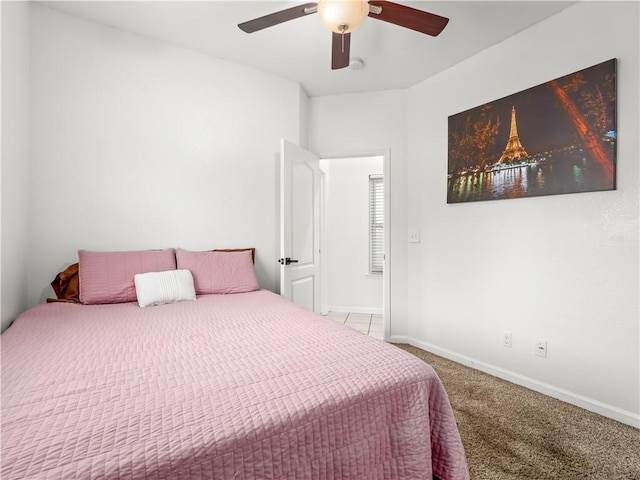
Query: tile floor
[363, 322]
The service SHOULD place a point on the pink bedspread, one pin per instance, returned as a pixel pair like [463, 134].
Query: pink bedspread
[244, 386]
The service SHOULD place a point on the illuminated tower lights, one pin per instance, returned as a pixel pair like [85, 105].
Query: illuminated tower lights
[514, 149]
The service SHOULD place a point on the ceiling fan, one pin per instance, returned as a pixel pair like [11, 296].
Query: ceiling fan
[343, 16]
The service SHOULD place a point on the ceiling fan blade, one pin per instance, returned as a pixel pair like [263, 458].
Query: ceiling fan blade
[418, 20]
[340, 46]
[278, 17]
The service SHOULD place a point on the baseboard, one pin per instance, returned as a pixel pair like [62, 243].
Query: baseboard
[373, 311]
[615, 413]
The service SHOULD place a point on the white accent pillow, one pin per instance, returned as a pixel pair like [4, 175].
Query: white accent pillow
[158, 288]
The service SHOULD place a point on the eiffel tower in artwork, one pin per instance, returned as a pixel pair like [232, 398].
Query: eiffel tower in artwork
[514, 149]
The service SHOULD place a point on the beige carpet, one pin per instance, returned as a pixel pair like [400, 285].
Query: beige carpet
[512, 433]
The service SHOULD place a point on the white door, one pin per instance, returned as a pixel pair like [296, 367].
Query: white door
[299, 226]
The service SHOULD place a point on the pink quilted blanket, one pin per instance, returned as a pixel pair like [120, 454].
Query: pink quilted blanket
[244, 386]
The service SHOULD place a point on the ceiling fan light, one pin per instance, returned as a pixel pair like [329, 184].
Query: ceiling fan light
[343, 16]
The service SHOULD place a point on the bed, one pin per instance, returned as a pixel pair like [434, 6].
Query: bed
[227, 386]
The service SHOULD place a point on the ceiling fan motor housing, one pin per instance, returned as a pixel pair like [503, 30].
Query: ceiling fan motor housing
[343, 16]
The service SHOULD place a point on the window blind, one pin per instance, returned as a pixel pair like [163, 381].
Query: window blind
[376, 224]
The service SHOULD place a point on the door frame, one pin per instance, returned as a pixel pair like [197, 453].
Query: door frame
[386, 275]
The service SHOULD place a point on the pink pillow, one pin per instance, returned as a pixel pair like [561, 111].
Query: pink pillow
[219, 272]
[107, 277]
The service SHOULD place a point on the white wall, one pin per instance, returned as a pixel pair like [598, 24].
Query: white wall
[138, 144]
[350, 287]
[370, 124]
[562, 268]
[15, 154]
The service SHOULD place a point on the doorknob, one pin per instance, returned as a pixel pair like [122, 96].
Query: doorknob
[287, 261]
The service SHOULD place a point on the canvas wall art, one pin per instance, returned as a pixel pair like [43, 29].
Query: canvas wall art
[555, 138]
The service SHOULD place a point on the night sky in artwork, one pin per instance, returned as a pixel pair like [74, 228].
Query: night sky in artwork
[542, 124]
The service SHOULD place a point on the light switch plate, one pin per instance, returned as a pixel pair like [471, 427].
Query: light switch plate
[414, 235]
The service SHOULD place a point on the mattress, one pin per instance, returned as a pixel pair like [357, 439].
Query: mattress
[242, 386]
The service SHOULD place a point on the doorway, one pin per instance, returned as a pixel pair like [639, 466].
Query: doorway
[354, 225]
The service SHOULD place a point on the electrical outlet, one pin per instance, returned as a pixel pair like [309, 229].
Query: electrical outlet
[506, 339]
[414, 235]
[541, 348]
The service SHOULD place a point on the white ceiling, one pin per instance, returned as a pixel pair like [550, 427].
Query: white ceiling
[300, 49]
